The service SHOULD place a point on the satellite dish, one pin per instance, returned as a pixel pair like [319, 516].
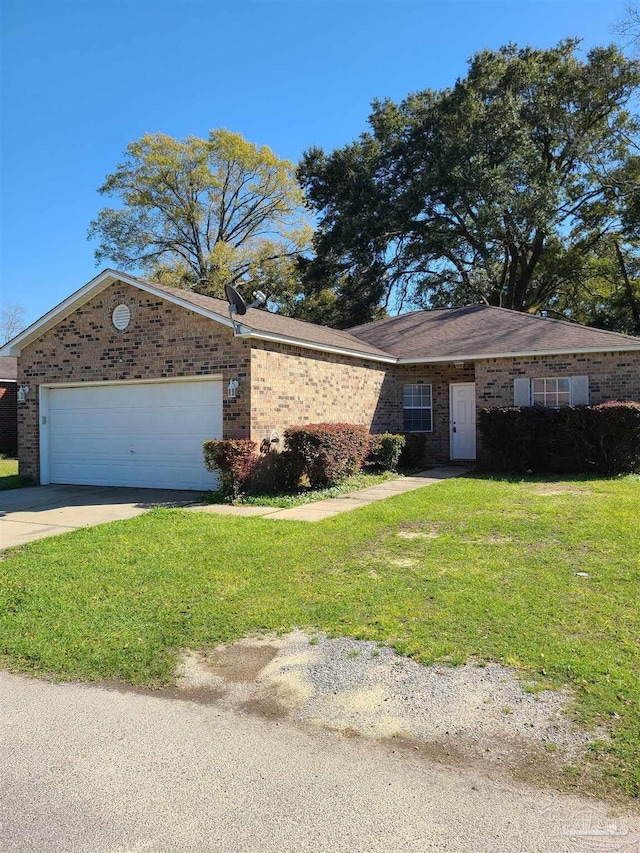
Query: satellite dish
[235, 300]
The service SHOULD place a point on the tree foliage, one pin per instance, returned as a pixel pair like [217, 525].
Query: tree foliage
[198, 213]
[492, 190]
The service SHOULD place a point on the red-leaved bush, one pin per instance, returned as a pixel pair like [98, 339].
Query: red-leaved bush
[604, 439]
[235, 459]
[327, 453]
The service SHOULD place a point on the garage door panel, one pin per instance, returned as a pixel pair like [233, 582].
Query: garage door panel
[134, 435]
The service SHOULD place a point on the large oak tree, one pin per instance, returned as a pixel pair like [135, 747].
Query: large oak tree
[493, 190]
[198, 213]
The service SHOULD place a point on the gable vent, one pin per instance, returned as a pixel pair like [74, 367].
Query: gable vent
[121, 317]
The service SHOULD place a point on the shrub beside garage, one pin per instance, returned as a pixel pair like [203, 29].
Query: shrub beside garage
[321, 454]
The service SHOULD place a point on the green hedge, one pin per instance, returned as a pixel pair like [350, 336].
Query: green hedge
[327, 453]
[385, 450]
[603, 439]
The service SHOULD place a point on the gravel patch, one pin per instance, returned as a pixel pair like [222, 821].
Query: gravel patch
[361, 689]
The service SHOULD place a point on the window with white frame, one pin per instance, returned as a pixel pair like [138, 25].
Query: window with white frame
[551, 392]
[418, 411]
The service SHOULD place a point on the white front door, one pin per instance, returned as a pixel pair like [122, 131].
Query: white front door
[145, 434]
[462, 420]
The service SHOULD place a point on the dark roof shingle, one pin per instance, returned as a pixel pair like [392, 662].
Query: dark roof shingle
[479, 330]
[276, 324]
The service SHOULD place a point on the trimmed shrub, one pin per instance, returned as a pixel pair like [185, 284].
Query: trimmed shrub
[603, 439]
[412, 455]
[385, 450]
[327, 453]
[235, 459]
[275, 472]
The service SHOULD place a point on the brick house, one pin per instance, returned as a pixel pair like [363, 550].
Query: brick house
[127, 377]
[8, 406]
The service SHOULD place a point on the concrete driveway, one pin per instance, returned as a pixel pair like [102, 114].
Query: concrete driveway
[39, 511]
[89, 770]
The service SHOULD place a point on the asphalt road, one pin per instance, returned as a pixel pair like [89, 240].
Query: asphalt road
[83, 768]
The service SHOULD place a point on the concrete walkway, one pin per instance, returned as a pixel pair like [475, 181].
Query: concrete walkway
[40, 511]
[319, 510]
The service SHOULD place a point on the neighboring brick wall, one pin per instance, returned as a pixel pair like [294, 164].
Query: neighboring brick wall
[612, 375]
[8, 417]
[162, 340]
[291, 385]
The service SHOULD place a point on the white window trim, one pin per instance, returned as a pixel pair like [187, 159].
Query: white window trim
[573, 394]
[423, 408]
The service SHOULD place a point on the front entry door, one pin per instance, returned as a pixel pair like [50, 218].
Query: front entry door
[462, 420]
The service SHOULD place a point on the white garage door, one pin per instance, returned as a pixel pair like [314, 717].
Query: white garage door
[147, 435]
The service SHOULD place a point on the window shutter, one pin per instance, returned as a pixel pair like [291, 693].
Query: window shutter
[521, 392]
[579, 390]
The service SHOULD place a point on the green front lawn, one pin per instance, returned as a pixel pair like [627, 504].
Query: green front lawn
[471, 568]
[9, 477]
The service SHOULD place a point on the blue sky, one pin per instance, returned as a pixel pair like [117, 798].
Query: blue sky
[82, 78]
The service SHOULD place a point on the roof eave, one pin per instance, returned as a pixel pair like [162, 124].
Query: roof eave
[299, 342]
[520, 354]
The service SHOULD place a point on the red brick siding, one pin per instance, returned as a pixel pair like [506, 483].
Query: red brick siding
[440, 377]
[162, 340]
[8, 417]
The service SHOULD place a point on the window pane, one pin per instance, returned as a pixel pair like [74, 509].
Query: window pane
[416, 396]
[551, 391]
[417, 420]
[417, 408]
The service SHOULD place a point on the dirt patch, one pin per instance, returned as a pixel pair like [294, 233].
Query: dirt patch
[488, 540]
[419, 530]
[240, 662]
[553, 489]
[472, 715]
[275, 702]
[465, 713]
[418, 534]
[200, 695]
